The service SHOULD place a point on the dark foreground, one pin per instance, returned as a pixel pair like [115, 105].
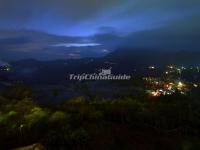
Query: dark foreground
[88, 123]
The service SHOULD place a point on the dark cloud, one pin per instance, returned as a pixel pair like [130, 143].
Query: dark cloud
[177, 36]
[170, 24]
[83, 17]
[63, 9]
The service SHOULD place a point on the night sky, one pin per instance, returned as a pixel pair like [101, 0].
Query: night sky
[49, 29]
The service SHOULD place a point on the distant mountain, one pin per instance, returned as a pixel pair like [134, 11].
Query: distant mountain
[153, 57]
[3, 63]
[121, 61]
[56, 71]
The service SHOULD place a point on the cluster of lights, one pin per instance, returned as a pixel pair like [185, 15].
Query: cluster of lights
[177, 68]
[170, 83]
[174, 69]
[5, 68]
[160, 92]
[168, 88]
[182, 68]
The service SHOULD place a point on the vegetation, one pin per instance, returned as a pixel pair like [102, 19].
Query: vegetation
[169, 122]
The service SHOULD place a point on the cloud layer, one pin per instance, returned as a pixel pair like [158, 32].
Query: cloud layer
[78, 17]
[106, 24]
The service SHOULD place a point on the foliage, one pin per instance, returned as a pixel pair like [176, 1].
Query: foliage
[168, 122]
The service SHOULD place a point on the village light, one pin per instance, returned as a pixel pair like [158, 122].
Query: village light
[180, 84]
[195, 85]
[155, 93]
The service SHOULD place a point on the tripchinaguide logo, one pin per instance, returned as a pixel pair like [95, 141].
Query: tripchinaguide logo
[104, 74]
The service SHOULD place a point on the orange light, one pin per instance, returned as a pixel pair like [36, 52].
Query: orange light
[155, 93]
